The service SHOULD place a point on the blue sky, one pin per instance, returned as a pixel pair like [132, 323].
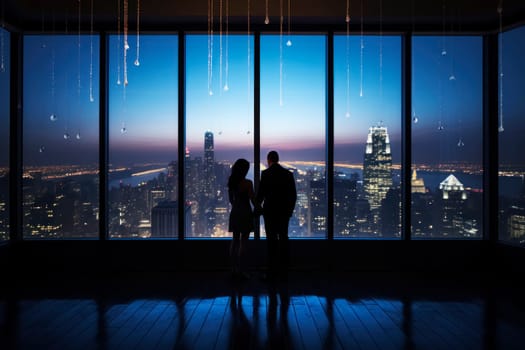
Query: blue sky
[147, 108]
[368, 94]
[447, 94]
[57, 82]
[293, 103]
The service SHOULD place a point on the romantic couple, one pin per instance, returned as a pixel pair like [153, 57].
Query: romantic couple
[275, 200]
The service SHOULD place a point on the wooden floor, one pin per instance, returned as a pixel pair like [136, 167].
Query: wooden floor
[209, 310]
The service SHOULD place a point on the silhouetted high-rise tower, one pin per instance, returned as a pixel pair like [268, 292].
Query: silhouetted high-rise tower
[377, 167]
[209, 163]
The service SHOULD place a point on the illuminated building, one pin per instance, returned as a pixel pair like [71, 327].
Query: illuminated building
[417, 183]
[377, 168]
[452, 207]
[164, 219]
[516, 222]
[345, 196]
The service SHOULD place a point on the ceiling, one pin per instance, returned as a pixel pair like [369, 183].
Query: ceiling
[164, 15]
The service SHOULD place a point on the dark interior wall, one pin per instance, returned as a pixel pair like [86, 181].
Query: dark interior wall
[38, 258]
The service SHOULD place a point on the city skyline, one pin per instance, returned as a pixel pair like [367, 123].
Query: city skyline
[366, 200]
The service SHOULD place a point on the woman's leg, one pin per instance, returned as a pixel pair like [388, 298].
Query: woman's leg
[234, 251]
[242, 251]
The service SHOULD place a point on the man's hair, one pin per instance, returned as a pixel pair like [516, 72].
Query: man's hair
[273, 156]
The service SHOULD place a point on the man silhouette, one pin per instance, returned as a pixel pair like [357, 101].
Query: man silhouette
[276, 196]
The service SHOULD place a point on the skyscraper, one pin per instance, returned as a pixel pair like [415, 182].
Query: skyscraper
[418, 184]
[165, 219]
[209, 183]
[345, 211]
[452, 207]
[209, 163]
[377, 167]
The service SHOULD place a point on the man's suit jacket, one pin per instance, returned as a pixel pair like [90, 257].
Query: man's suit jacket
[277, 192]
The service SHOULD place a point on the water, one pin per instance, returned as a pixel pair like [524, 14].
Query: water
[508, 186]
[133, 180]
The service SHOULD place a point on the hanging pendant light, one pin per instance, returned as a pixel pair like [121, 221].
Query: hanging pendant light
[361, 54]
[227, 49]
[118, 42]
[126, 44]
[91, 97]
[281, 19]
[266, 18]
[347, 56]
[137, 59]
[289, 42]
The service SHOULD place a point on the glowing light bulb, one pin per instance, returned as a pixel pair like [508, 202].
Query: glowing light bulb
[66, 136]
[210, 93]
[415, 119]
[500, 129]
[347, 18]
[289, 43]
[123, 130]
[42, 149]
[119, 82]
[347, 114]
[443, 52]
[452, 77]
[91, 98]
[440, 126]
[136, 63]
[226, 88]
[77, 136]
[126, 45]
[460, 143]
[53, 117]
[266, 20]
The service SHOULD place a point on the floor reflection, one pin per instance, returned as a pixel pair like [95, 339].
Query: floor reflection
[259, 315]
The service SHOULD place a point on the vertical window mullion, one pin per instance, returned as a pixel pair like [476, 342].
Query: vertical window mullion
[103, 137]
[182, 133]
[406, 130]
[15, 138]
[330, 136]
[257, 119]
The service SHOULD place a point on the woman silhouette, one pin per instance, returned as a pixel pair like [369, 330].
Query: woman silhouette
[242, 197]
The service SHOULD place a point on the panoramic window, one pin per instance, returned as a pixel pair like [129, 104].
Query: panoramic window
[60, 137]
[511, 126]
[293, 122]
[143, 137]
[367, 136]
[219, 126]
[4, 134]
[447, 137]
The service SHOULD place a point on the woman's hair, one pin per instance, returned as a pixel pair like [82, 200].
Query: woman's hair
[239, 170]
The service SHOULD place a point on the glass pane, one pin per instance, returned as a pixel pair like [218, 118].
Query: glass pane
[4, 134]
[512, 129]
[447, 137]
[367, 136]
[219, 126]
[143, 136]
[293, 119]
[60, 136]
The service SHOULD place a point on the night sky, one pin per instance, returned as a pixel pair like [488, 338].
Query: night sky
[447, 92]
